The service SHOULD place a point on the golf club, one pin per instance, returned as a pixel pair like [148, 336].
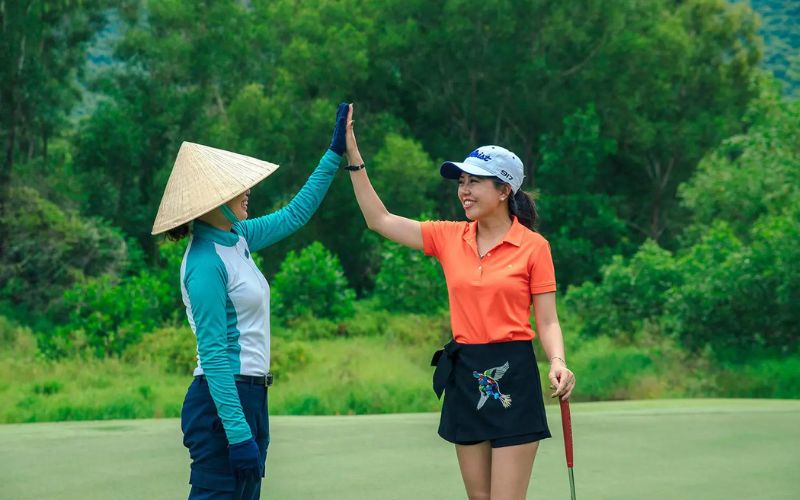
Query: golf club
[566, 425]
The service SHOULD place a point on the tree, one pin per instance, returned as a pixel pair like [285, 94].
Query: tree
[42, 44]
[669, 80]
[749, 175]
[42, 47]
[579, 219]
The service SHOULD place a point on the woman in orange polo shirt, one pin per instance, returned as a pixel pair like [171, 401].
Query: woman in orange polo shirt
[496, 267]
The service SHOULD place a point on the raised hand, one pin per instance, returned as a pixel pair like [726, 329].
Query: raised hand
[338, 141]
[353, 155]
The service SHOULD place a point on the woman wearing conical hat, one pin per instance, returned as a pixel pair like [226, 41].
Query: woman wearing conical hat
[224, 416]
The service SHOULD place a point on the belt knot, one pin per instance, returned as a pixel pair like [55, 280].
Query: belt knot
[443, 360]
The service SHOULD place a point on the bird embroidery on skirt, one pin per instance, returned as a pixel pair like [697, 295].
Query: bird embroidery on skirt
[488, 386]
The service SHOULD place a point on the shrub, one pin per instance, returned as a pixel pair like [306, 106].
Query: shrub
[309, 328]
[288, 357]
[720, 293]
[173, 349]
[47, 250]
[16, 340]
[767, 378]
[631, 293]
[739, 299]
[107, 314]
[311, 283]
[409, 281]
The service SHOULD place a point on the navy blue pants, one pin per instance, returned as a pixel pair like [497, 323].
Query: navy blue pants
[204, 436]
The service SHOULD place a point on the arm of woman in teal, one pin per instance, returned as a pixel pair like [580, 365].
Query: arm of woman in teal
[205, 279]
[270, 229]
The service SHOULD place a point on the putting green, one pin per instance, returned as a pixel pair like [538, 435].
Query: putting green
[653, 450]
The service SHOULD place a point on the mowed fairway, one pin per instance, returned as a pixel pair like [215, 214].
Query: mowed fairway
[652, 450]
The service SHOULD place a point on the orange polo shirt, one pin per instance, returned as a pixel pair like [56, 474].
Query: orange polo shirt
[490, 297]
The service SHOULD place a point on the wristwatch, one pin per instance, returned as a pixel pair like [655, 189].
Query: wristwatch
[354, 168]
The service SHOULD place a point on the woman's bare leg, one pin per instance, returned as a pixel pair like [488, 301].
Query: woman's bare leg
[475, 461]
[511, 471]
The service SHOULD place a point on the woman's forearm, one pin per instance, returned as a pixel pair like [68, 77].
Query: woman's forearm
[552, 341]
[369, 202]
[271, 228]
[401, 230]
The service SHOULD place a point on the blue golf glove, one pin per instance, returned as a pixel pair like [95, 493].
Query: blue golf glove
[246, 460]
[338, 144]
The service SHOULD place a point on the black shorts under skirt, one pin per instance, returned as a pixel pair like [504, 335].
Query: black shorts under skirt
[492, 391]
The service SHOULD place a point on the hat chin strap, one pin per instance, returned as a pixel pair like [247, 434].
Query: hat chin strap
[228, 213]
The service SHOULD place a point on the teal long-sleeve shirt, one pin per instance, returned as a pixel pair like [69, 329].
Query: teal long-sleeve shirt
[227, 297]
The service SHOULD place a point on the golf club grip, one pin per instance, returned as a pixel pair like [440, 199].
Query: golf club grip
[566, 425]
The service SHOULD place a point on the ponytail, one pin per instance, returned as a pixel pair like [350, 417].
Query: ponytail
[522, 206]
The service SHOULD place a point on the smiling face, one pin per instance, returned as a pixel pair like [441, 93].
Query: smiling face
[480, 196]
[239, 205]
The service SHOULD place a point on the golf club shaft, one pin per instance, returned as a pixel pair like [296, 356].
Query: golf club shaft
[571, 483]
[566, 426]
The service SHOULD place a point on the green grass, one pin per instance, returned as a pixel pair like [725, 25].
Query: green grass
[91, 389]
[357, 376]
[654, 450]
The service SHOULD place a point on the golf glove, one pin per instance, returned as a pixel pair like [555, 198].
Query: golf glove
[338, 144]
[246, 460]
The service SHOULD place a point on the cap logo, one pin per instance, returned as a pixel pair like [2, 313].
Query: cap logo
[481, 156]
[507, 175]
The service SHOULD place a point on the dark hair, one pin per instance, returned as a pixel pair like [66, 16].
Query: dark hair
[523, 206]
[178, 233]
[520, 205]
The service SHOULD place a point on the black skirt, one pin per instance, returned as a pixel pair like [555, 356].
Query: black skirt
[491, 391]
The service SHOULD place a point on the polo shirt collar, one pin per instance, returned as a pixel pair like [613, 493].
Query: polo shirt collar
[208, 232]
[513, 235]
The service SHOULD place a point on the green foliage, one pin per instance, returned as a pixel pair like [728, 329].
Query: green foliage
[311, 283]
[47, 250]
[372, 320]
[781, 40]
[358, 376]
[288, 357]
[631, 293]
[580, 222]
[16, 340]
[612, 370]
[749, 175]
[381, 371]
[736, 299]
[401, 174]
[760, 378]
[173, 349]
[105, 315]
[740, 299]
[734, 286]
[42, 50]
[409, 281]
[610, 105]
[110, 147]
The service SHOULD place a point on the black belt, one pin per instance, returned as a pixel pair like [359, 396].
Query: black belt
[443, 361]
[265, 380]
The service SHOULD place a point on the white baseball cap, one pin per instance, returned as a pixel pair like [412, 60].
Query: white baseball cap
[489, 161]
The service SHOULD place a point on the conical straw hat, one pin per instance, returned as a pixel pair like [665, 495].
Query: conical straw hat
[204, 178]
